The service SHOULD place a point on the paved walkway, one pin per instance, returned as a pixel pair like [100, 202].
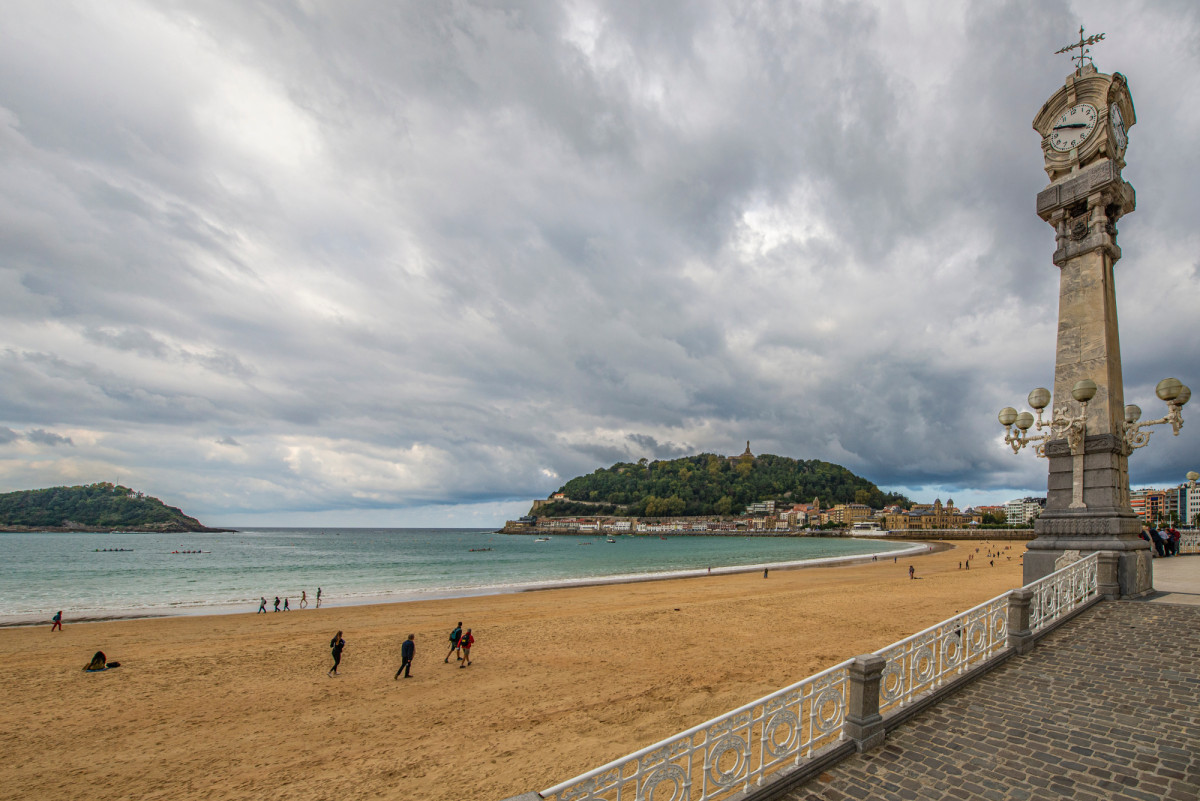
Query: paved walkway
[1177, 580]
[1105, 707]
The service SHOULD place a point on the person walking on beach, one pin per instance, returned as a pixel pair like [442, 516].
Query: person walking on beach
[455, 638]
[465, 643]
[912, 572]
[262, 606]
[406, 656]
[276, 603]
[318, 597]
[286, 608]
[336, 645]
[765, 569]
[57, 621]
[303, 598]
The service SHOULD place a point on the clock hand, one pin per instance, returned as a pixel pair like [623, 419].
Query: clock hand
[1071, 125]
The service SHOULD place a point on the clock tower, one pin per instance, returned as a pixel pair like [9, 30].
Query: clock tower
[1083, 129]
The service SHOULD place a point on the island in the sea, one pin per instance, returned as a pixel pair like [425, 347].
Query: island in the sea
[92, 507]
[713, 494]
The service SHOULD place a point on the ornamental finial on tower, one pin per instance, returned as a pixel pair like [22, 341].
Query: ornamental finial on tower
[1085, 51]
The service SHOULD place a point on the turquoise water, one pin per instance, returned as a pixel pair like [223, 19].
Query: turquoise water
[41, 573]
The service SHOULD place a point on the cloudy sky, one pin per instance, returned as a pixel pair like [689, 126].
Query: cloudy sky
[412, 263]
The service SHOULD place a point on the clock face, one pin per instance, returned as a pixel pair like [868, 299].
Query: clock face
[1116, 125]
[1073, 127]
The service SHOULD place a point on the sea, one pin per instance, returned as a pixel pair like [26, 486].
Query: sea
[119, 575]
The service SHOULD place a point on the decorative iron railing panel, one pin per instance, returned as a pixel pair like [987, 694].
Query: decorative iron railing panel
[734, 751]
[922, 662]
[1062, 591]
[1189, 541]
[727, 754]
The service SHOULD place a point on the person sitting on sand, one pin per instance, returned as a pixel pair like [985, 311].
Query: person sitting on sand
[99, 663]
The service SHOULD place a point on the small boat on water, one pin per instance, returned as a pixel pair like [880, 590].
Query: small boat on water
[610, 539]
[477, 550]
[542, 539]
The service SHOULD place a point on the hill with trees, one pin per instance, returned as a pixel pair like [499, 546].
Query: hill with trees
[96, 507]
[709, 484]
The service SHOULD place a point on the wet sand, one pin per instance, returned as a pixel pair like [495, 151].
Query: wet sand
[563, 680]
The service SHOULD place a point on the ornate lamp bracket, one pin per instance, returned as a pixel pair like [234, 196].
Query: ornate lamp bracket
[1135, 436]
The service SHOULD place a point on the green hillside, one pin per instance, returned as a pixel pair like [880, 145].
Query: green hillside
[94, 506]
[709, 484]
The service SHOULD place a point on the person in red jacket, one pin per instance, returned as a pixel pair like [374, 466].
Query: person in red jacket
[465, 644]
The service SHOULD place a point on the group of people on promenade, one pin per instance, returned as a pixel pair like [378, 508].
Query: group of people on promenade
[262, 602]
[460, 643]
[1165, 541]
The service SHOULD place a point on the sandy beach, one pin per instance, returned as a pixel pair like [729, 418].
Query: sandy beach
[563, 680]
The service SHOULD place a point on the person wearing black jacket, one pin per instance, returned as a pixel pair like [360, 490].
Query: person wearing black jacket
[406, 656]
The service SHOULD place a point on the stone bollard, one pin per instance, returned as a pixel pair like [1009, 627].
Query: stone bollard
[1020, 638]
[1108, 581]
[864, 724]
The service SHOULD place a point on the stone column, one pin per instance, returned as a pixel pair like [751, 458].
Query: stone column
[864, 724]
[1087, 491]
[1020, 638]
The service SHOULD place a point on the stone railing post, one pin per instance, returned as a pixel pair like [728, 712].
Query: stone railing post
[864, 724]
[1020, 638]
[1108, 581]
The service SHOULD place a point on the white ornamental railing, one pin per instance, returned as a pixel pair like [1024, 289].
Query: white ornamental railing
[1189, 541]
[727, 754]
[730, 753]
[1062, 591]
[920, 663]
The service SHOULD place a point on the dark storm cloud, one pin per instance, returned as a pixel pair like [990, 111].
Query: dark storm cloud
[415, 255]
[7, 435]
[42, 437]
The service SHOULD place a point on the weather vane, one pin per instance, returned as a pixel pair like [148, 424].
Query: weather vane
[1084, 50]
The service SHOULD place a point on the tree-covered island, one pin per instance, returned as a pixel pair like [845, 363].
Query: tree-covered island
[711, 485]
[92, 507]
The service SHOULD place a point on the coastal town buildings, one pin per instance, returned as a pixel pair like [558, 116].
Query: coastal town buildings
[933, 517]
[1023, 511]
[1179, 504]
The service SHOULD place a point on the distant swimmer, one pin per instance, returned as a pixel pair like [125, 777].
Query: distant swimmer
[57, 621]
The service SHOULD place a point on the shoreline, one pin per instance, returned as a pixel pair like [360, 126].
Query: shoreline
[911, 549]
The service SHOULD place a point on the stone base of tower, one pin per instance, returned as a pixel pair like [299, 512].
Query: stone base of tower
[1133, 568]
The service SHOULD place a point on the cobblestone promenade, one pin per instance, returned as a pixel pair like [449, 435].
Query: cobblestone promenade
[1106, 707]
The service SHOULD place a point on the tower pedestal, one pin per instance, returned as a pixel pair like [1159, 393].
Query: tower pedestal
[1103, 522]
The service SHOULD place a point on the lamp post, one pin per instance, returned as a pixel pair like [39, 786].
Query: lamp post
[1073, 427]
[1192, 476]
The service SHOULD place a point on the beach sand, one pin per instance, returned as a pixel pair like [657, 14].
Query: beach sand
[563, 680]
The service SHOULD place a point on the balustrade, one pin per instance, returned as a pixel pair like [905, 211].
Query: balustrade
[736, 751]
